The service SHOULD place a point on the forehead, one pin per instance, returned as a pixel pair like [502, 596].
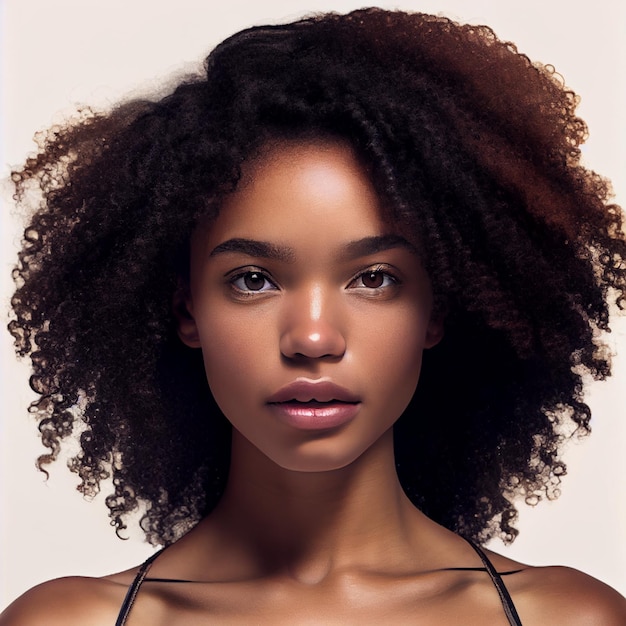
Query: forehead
[317, 191]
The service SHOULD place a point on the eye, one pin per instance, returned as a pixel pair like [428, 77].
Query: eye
[375, 279]
[252, 281]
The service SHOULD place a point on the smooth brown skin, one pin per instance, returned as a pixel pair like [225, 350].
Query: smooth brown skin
[314, 527]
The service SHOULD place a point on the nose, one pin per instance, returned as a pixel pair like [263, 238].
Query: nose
[312, 327]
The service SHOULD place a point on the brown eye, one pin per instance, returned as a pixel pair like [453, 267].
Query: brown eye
[254, 281]
[373, 280]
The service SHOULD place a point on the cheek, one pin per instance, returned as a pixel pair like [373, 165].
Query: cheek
[398, 358]
[232, 350]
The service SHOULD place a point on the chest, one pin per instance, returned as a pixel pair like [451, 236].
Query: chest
[436, 600]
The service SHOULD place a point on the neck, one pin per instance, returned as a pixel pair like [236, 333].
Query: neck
[311, 522]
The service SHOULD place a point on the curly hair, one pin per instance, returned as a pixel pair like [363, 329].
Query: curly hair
[475, 151]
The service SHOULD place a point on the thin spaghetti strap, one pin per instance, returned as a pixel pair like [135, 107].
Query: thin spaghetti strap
[133, 590]
[507, 602]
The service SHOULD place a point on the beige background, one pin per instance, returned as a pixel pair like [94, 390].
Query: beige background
[57, 53]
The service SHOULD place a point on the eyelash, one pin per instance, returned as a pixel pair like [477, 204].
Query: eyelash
[389, 280]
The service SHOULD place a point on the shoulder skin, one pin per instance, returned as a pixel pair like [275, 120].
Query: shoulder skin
[72, 601]
[565, 597]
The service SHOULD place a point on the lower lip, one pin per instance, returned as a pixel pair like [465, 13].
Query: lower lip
[315, 415]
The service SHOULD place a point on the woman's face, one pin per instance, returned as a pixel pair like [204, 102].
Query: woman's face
[311, 312]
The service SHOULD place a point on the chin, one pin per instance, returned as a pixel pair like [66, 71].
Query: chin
[326, 458]
[315, 465]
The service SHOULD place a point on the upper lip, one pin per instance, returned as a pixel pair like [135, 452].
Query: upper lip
[307, 390]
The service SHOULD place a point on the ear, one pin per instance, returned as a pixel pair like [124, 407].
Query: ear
[435, 330]
[182, 307]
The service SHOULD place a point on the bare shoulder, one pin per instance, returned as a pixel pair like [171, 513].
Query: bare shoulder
[565, 596]
[67, 602]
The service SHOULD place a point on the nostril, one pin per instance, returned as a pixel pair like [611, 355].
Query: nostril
[302, 356]
[321, 343]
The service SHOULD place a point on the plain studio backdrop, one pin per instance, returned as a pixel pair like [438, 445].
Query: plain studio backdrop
[61, 53]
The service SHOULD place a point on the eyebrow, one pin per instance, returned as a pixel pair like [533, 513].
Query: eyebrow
[353, 250]
[252, 247]
[373, 245]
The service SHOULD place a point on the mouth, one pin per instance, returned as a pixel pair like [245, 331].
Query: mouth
[315, 415]
[314, 405]
[321, 391]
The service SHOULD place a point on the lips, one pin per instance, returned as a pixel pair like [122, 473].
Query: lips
[310, 405]
[305, 390]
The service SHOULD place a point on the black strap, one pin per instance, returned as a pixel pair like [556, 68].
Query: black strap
[133, 590]
[507, 602]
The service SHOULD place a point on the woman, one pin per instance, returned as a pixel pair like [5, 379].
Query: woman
[343, 206]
